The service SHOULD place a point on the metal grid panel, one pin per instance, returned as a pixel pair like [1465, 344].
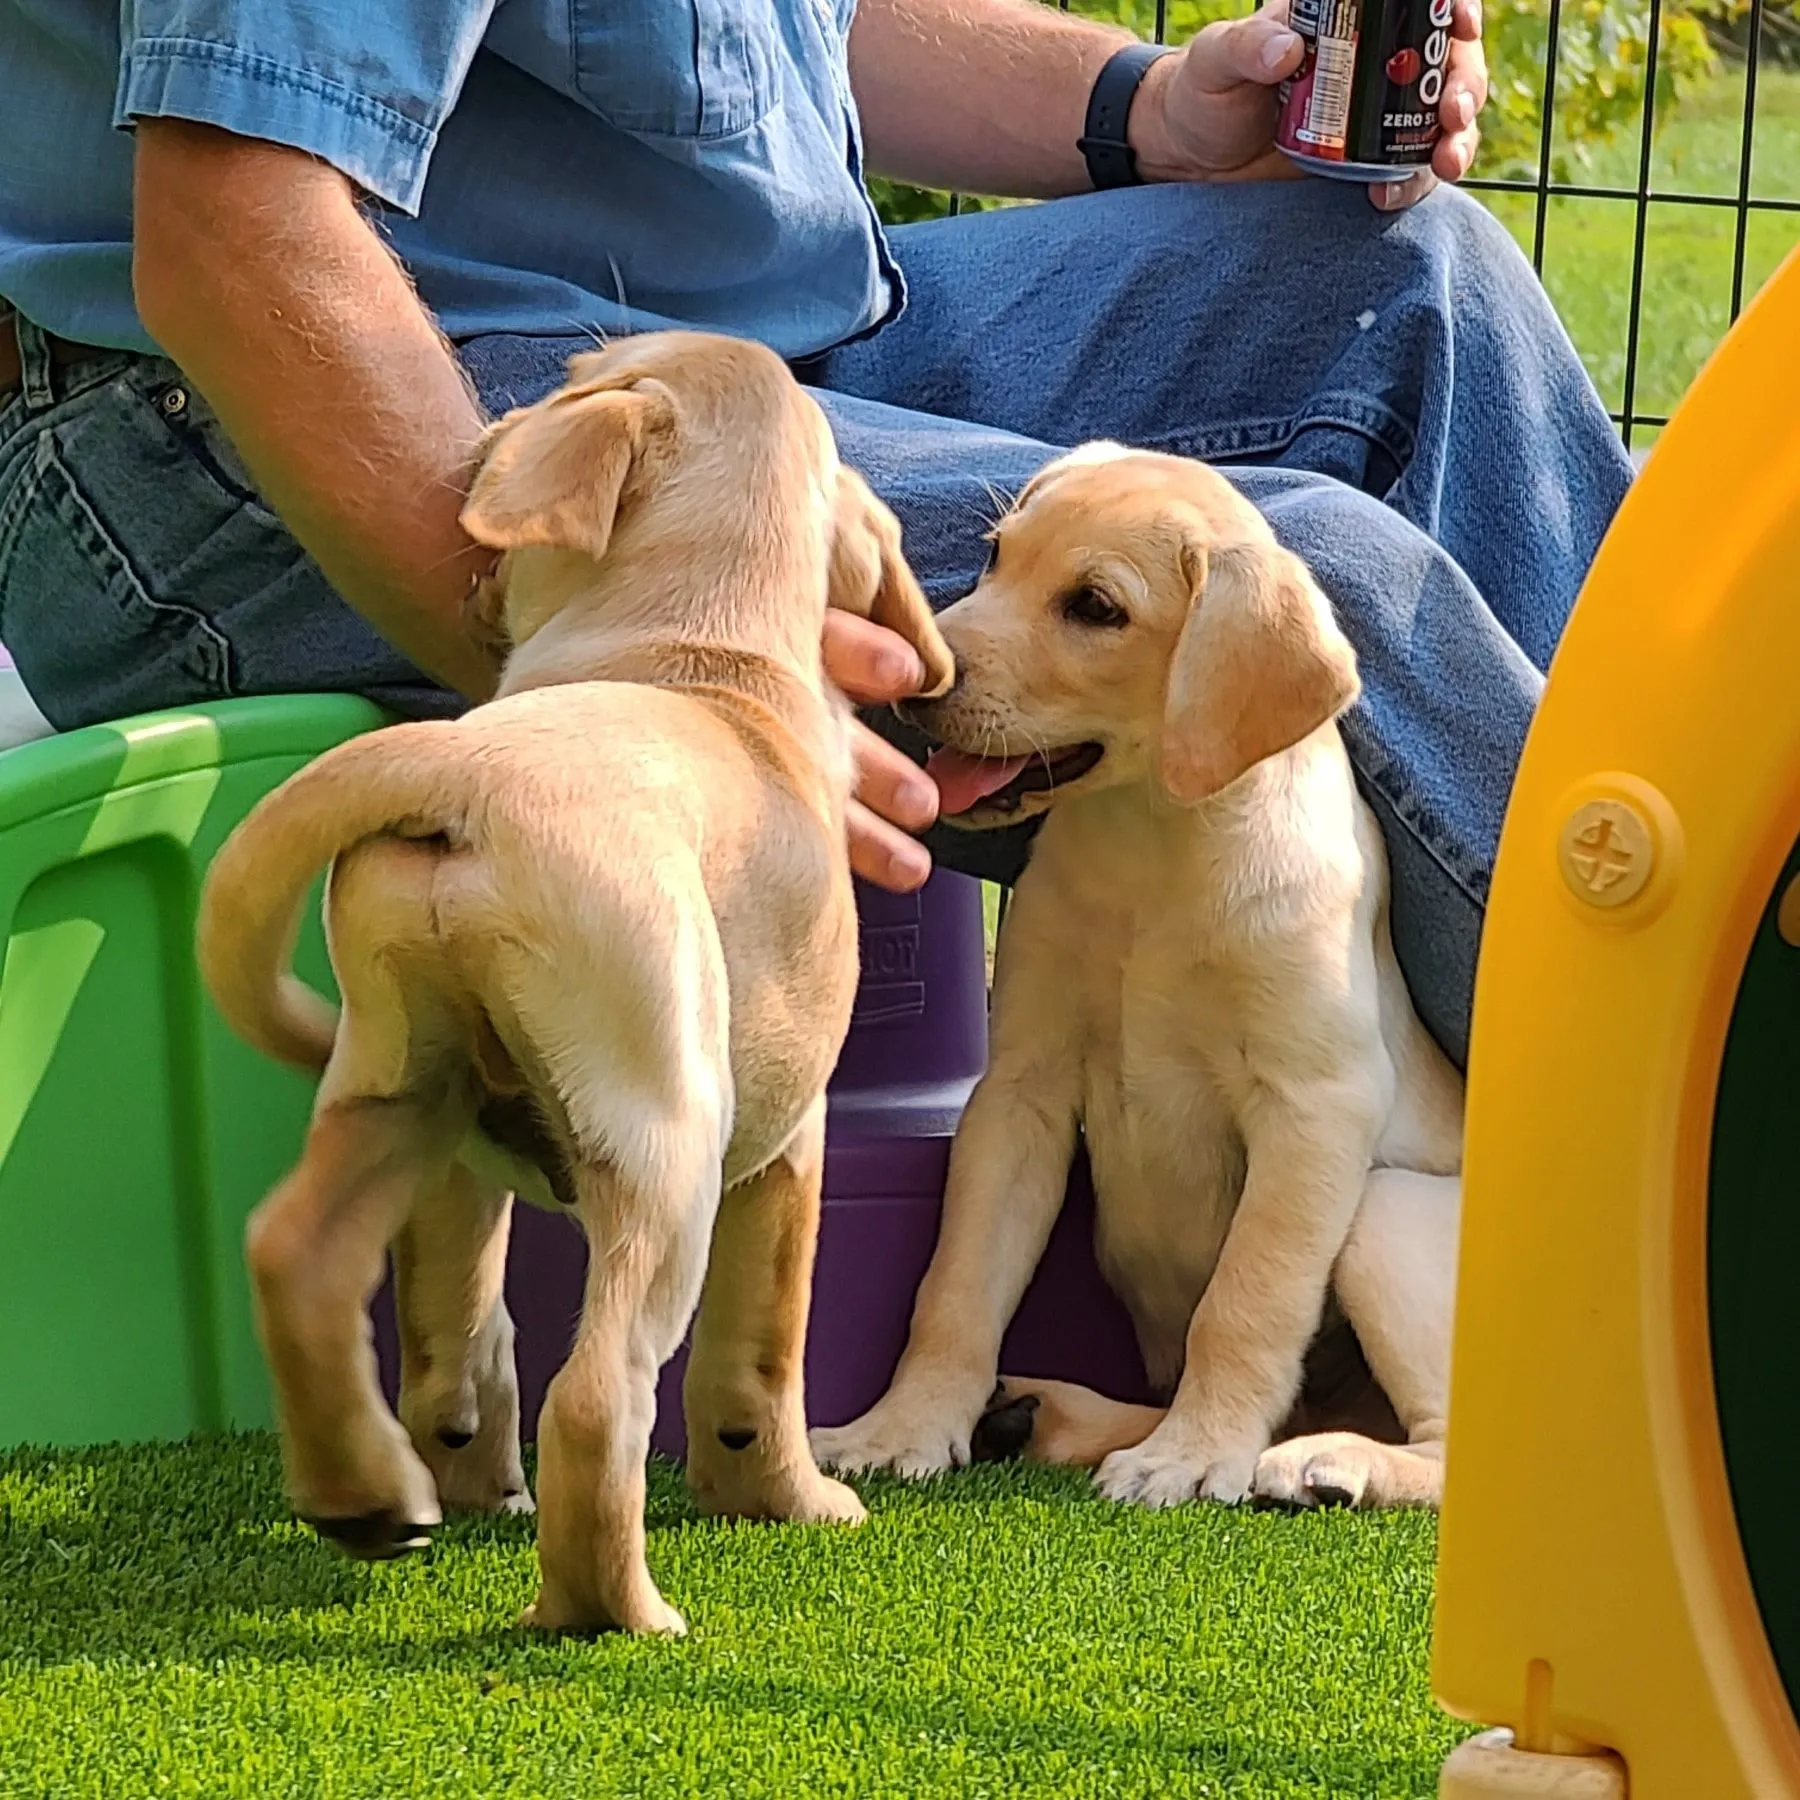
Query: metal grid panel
[1643, 196]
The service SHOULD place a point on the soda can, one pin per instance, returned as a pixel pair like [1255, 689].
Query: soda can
[1363, 105]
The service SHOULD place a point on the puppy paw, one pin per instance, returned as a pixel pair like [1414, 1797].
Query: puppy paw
[819, 1501]
[477, 1475]
[466, 1432]
[1169, 1470]
[1057, 1422]
[1306, 1472]
[372, 1536]
[793, 1491]
[1342, 1468]
[912, 1439]
[645, 1615]
[369, 1494]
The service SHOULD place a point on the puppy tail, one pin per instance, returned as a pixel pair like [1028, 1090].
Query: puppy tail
[387, 781]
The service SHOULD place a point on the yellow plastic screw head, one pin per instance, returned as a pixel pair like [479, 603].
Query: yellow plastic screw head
[1607, 852]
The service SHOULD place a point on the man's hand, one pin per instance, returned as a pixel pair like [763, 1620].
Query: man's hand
[989, 96]
[875, 667]
[1208, 113]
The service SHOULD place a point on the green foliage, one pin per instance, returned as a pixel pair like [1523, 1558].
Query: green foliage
[1602, 58]
[900, 204]
[1590, 245]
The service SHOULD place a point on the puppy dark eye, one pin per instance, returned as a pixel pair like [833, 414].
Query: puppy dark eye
[993, 554]
[1088, 606]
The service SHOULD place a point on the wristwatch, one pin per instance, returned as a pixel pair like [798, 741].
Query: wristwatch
[1111, 161]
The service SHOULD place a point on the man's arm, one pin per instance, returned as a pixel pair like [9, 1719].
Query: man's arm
[257, 273]
[255, 270]
[989, 96]
[983, 95]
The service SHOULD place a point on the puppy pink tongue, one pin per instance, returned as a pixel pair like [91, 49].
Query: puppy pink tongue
[963, 779]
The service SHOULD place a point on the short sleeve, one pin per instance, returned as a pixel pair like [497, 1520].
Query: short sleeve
[363, 84]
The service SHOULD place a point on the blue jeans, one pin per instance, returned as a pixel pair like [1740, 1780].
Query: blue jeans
[1394, 393]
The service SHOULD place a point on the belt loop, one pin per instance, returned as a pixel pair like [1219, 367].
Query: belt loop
[34, 365]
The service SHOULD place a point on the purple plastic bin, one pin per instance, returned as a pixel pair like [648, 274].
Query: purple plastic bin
[917, 1045]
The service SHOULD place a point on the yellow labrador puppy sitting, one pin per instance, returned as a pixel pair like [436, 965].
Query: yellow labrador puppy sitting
[596, 942]
[1197, 971]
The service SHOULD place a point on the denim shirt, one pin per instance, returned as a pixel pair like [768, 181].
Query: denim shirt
[541, 166]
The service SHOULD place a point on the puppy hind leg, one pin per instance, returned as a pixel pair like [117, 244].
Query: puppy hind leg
[1396, 1281]
[316, 1249]
[377, 1171]
[459, 1388]
[744, 1398]
[647, 1239]
[1344, 1468]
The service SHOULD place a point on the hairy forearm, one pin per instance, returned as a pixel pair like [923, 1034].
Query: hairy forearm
[984, 95]
[258, 275]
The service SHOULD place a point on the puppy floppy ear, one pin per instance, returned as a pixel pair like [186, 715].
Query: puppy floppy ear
[553, 474]
[870, 577]
[1260, 664]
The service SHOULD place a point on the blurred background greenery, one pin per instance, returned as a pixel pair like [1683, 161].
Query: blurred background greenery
[1596, 141]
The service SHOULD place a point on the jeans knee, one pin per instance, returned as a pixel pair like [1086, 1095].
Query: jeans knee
[1457, 233]
[1471, 263]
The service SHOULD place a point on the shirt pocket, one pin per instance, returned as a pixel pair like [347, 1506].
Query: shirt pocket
[677, 68]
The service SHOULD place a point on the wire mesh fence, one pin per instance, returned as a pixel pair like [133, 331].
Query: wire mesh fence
[1656, 195]
[1644, 153]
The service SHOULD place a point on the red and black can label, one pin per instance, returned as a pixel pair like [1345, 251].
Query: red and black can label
[1364, 102]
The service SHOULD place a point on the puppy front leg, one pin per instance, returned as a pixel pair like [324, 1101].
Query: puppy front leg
[1008, 1169]
[744, 1397]
[1246, 1344]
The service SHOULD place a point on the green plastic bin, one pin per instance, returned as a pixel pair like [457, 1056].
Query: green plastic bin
[135, 1132]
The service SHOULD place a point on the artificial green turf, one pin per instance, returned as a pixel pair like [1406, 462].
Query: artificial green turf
[166, 1629]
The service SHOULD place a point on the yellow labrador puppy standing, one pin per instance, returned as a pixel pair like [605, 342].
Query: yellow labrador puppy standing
[1197, 971]
[596, 943]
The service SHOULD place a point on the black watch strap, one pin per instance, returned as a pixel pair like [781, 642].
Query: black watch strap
[1111, 161]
